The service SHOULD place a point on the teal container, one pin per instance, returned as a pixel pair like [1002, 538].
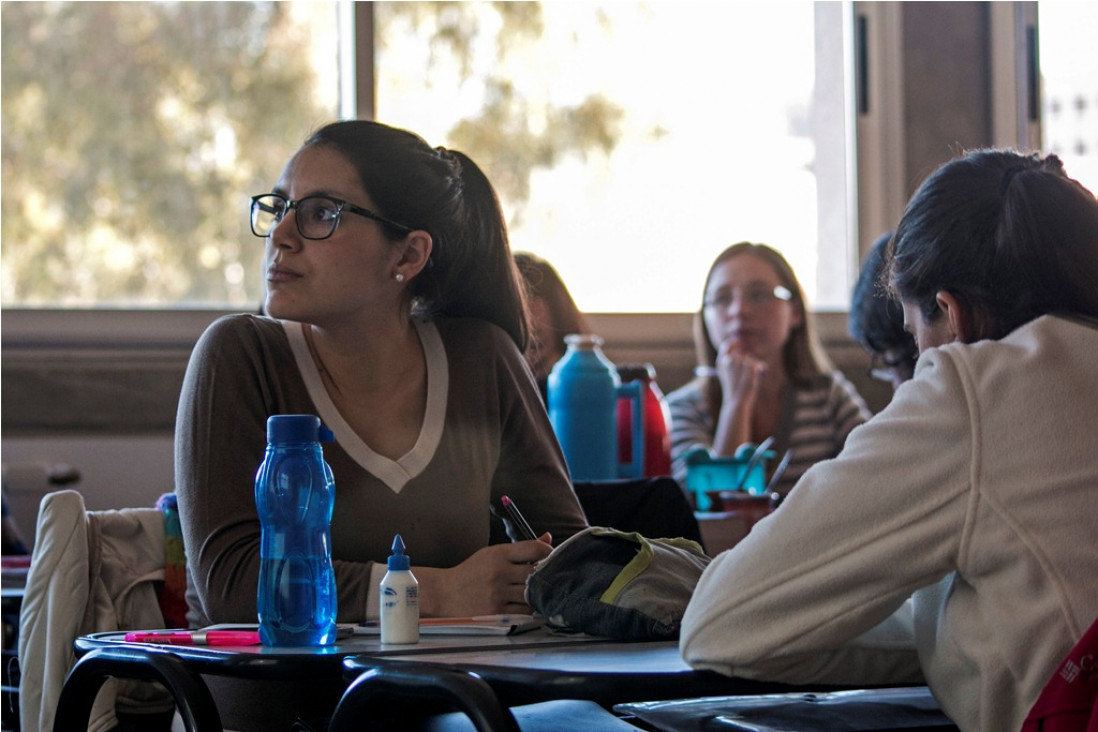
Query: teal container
[706, 474]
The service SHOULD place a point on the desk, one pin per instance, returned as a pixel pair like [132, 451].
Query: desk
[606, 672]
[181, 668]
[520, 669]
[264, 662]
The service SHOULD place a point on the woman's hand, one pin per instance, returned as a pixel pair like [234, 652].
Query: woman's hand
[491, 581]
[741, 375]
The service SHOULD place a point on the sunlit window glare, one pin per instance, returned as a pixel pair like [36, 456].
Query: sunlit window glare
[707, 138]
[1069, 104]
[629, 141]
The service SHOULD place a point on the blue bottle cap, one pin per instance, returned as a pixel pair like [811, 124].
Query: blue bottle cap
[296, 428]
[399, 560]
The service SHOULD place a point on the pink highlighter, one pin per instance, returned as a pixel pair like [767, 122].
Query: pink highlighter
[196, 637]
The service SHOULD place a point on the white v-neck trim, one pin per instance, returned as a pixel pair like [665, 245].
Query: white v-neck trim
[394, 473]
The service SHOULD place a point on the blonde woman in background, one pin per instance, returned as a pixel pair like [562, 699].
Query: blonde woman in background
[761, 370]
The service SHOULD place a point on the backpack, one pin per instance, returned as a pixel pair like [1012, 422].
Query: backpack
[617, 584]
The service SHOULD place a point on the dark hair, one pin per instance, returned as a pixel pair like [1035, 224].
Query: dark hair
[876, 320]
[1007, 233]
[802, 356]
[443, 192]
[542, 281]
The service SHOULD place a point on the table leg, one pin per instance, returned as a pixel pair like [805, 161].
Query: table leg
[192, 696]
[412, 683]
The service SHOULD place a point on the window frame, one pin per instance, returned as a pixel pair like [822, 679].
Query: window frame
[878, 167]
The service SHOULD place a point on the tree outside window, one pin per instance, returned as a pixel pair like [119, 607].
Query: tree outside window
[628, 141]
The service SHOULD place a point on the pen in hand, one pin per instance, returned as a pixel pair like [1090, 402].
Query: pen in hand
[517, 519]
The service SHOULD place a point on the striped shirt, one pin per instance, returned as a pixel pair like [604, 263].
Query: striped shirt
[813, 424]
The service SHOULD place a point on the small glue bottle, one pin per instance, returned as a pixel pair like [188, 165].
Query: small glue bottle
[399, 599]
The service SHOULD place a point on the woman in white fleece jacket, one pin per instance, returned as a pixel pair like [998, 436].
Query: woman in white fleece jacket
[975, 492]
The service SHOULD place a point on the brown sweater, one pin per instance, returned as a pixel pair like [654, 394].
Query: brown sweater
[485, 434]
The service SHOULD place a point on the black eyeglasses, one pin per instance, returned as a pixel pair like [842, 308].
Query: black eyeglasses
[317, 216]
[756, 294]
[891, 366]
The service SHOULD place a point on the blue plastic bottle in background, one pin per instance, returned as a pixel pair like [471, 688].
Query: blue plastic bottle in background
[294, 495]
[583, 408]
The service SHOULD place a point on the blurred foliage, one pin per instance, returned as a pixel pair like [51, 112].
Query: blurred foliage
[501, 140]
[512, 135]
[134, 133]
[454, 27]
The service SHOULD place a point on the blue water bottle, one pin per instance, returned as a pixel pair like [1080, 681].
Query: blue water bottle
[584, 389]
[294, 495]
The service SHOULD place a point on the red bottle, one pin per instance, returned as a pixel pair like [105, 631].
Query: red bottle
[657, 419]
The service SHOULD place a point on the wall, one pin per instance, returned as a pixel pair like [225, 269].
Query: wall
[115, 471]
[946, 73]
[96, 391]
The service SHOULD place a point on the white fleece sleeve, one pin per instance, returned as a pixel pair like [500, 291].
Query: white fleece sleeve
[850, 544]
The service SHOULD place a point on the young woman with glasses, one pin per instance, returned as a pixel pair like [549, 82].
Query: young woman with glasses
[761, 370]
[972, 492]
[394, 312]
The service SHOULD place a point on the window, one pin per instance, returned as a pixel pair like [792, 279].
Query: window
[630, 141]
[1069, 104]
[133, 135]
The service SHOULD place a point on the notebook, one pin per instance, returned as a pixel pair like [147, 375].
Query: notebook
[477, 625]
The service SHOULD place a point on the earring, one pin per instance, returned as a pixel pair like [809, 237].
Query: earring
[398, 277]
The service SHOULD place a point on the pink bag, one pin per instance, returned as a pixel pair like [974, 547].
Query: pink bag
[1069, 702]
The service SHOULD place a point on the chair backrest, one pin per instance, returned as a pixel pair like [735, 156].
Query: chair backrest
[90, 571]
[653, 507]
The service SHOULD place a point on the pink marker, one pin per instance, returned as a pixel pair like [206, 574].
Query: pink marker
[196, 637]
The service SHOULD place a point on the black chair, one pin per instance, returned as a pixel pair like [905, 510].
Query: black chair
[192, 697]
[653, 507]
